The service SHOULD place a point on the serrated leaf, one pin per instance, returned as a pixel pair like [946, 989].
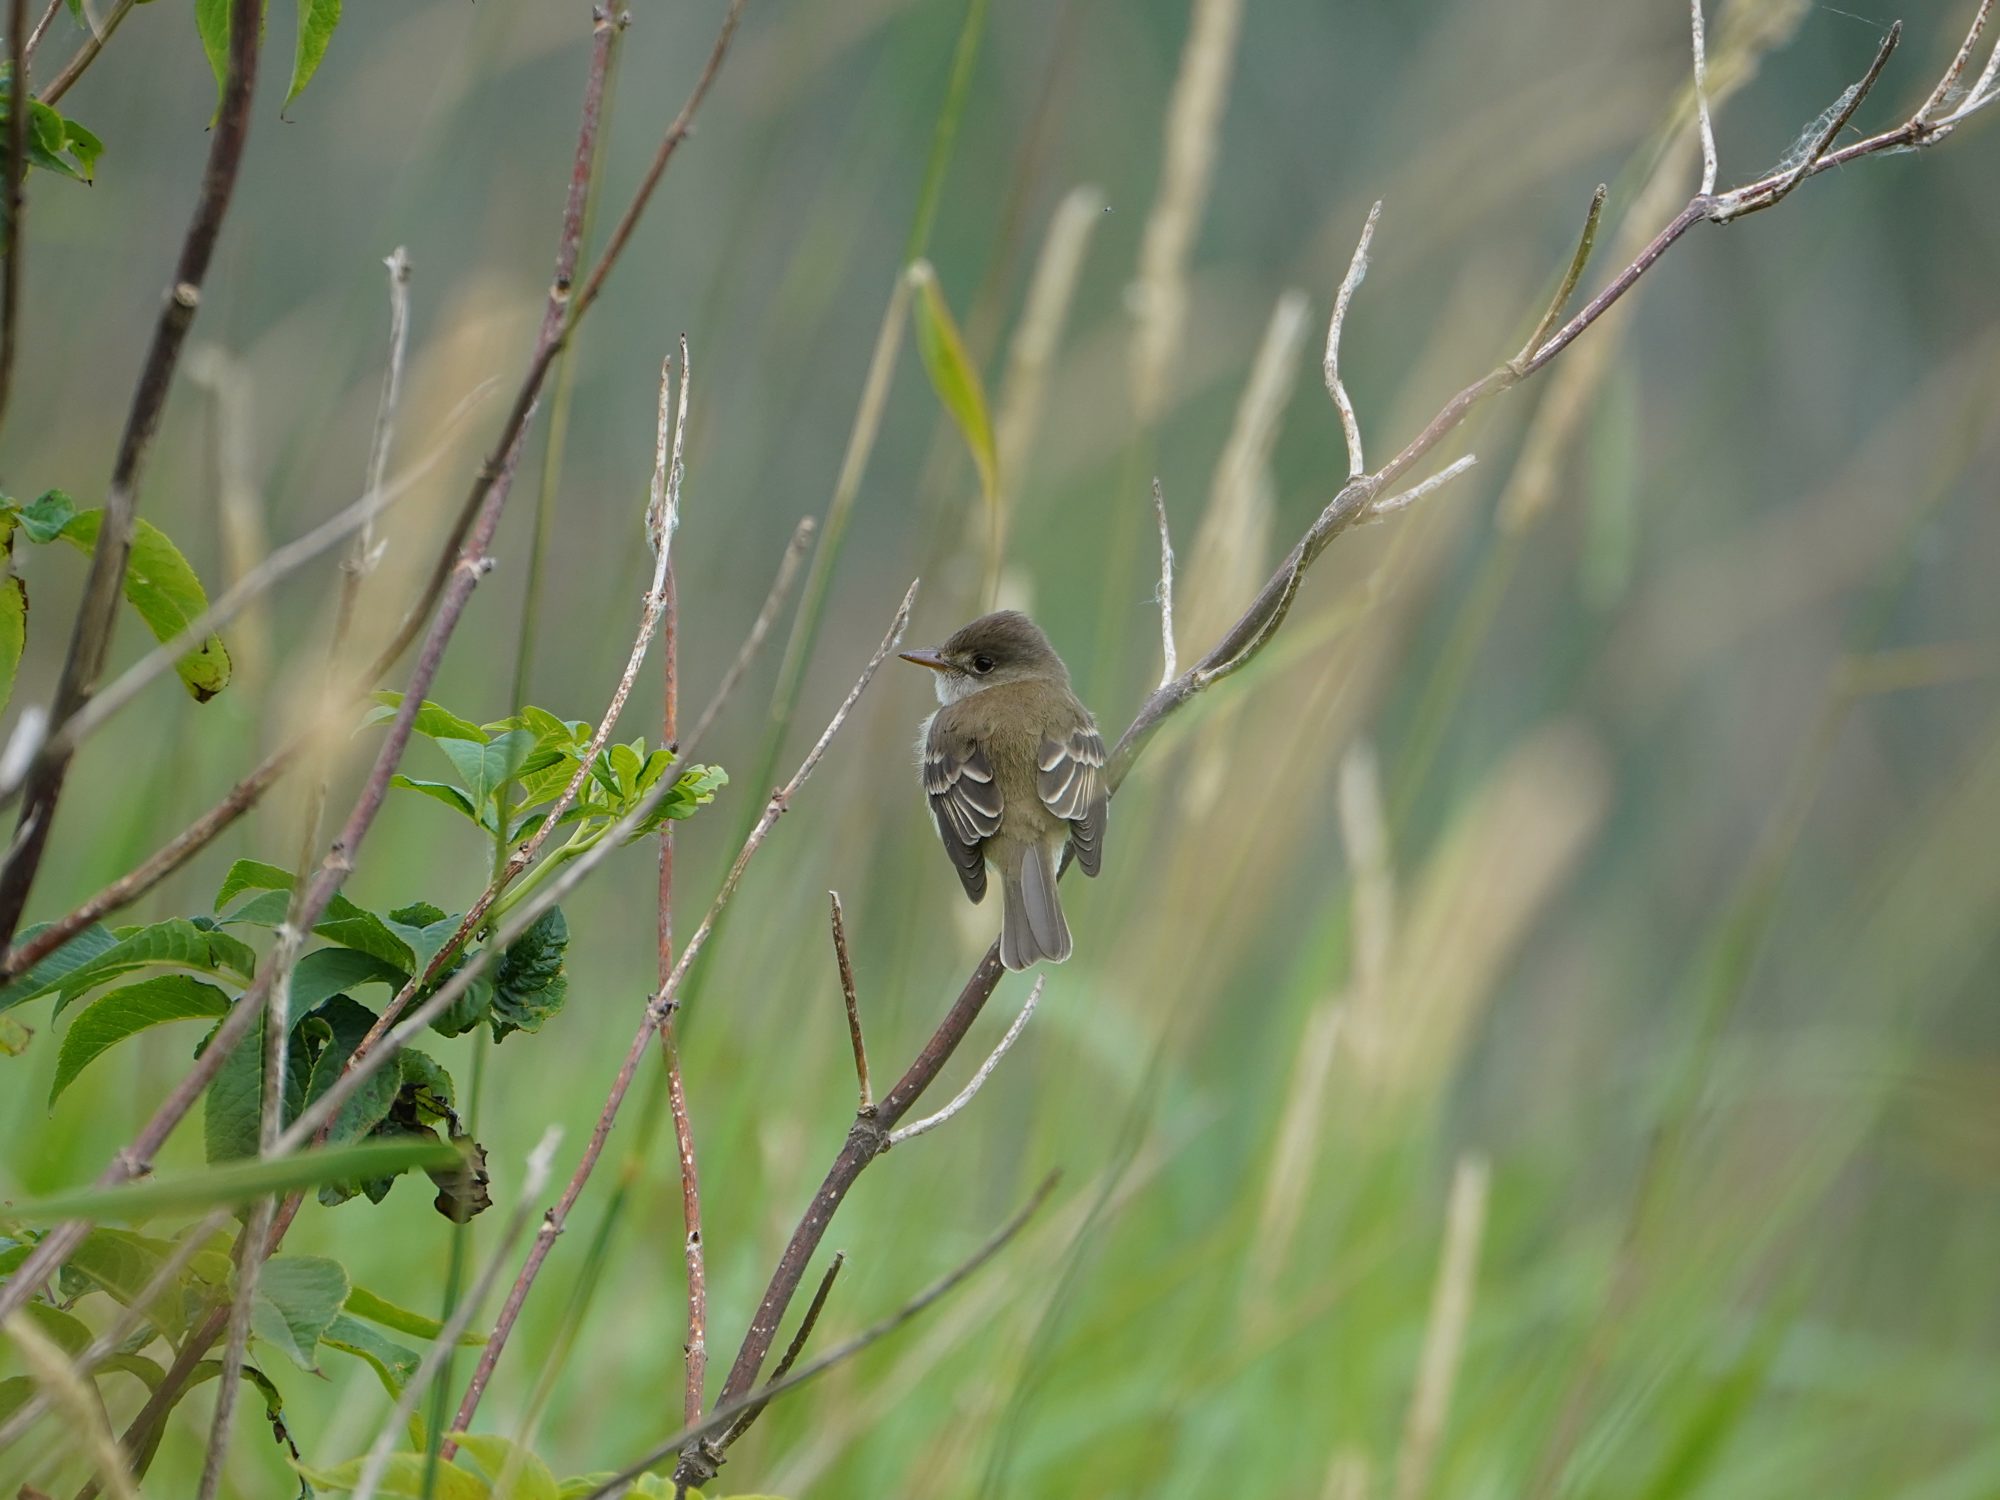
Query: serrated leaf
[13, 632]
[527, 1477]
[87, 946]
[176, 942]
[163, 587]
[343, 922]
[530, 985]
[433, 721]
[297, 1297]
[953, 375]
[317, 20]
[123, 1013]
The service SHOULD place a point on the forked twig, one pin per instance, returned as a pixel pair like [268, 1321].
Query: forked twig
[978, 1081]
[1357, 267]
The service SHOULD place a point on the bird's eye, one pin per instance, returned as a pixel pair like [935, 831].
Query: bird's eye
[982, 664]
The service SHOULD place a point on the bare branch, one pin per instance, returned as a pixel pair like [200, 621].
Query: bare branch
[693, 1251]
[1357, 267]
[86, 54]
[98, 611]
[1836, 121]
[49, 14]
[1389, 504]
[727, 1412]
[1566, 288]
[1701, 98]
[846, 968]
[1169, 659]
[964, 1096]
[1952, 74]
[249, 1265]
[713, 1449]
[774, 601]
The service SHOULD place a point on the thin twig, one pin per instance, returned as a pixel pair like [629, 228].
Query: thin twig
[792, 1350]
[978, 1081]
[726, 1412]
[1835, 123]
[57, 1378]
[47, 20]
[781, 588]
[479, 517]
[249, 1266]
[659, 1008]
[1952, 74]
[1169, 659]
[1389, 504]
[1357, 267]
[364, 556]
[1700, 43]
[846, 967]
[693, 1249]
[534, 1179]
[98, 612]
[11, 209]
[1566, 288]
[86, 54]
[1238, 644]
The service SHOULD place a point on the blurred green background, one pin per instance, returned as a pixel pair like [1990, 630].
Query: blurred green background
[1613, 833]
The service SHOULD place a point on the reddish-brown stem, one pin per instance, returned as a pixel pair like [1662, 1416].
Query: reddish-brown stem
[853, 1003]
[90, 639]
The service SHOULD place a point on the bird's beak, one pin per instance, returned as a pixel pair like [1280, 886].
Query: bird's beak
[929, 659]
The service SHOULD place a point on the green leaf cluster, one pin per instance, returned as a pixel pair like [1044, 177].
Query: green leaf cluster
[509, 774]
[160, 584]
[317, 21]
[56, 143]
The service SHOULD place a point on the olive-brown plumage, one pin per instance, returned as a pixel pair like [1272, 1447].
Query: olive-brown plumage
[1014, 769]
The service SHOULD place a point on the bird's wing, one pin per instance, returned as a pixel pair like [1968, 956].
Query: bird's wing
[965, 800]
[1071, 783]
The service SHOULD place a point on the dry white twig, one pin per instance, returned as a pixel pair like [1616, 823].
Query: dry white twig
[534, 1179]
[1952, 74]
[366, 553]
[1357, 268]
[1700, 41]
[1402, 499]
[1164, 594]
[964, 1096]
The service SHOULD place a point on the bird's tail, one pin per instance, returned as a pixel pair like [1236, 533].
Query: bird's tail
[1031, 918]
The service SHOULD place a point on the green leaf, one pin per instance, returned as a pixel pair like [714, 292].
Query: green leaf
[531, 985]
[432, 721]
[453, 797]
[393, 1363]
[126, 1012]
[44, 517]
[369, 1105]
[238, 1182]
[426, 1086]
[317, 20]
[953, 375]
[484, 767]
[13, 632]
[232, 1107]
[402, 1479]
[326, 972]
[69, 1334]
[498, 1457]
[226, 950]
[84, 948]
[377, 1309]
[122, 1264]
[84, 146]
[211, 20]
[163, 588]
[251, 875]
[297, 1297]
[176, 942]
[694, 788]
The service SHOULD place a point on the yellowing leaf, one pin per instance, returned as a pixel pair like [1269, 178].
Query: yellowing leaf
[953, 375]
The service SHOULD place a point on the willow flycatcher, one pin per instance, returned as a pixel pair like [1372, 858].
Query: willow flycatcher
[1014, 769]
